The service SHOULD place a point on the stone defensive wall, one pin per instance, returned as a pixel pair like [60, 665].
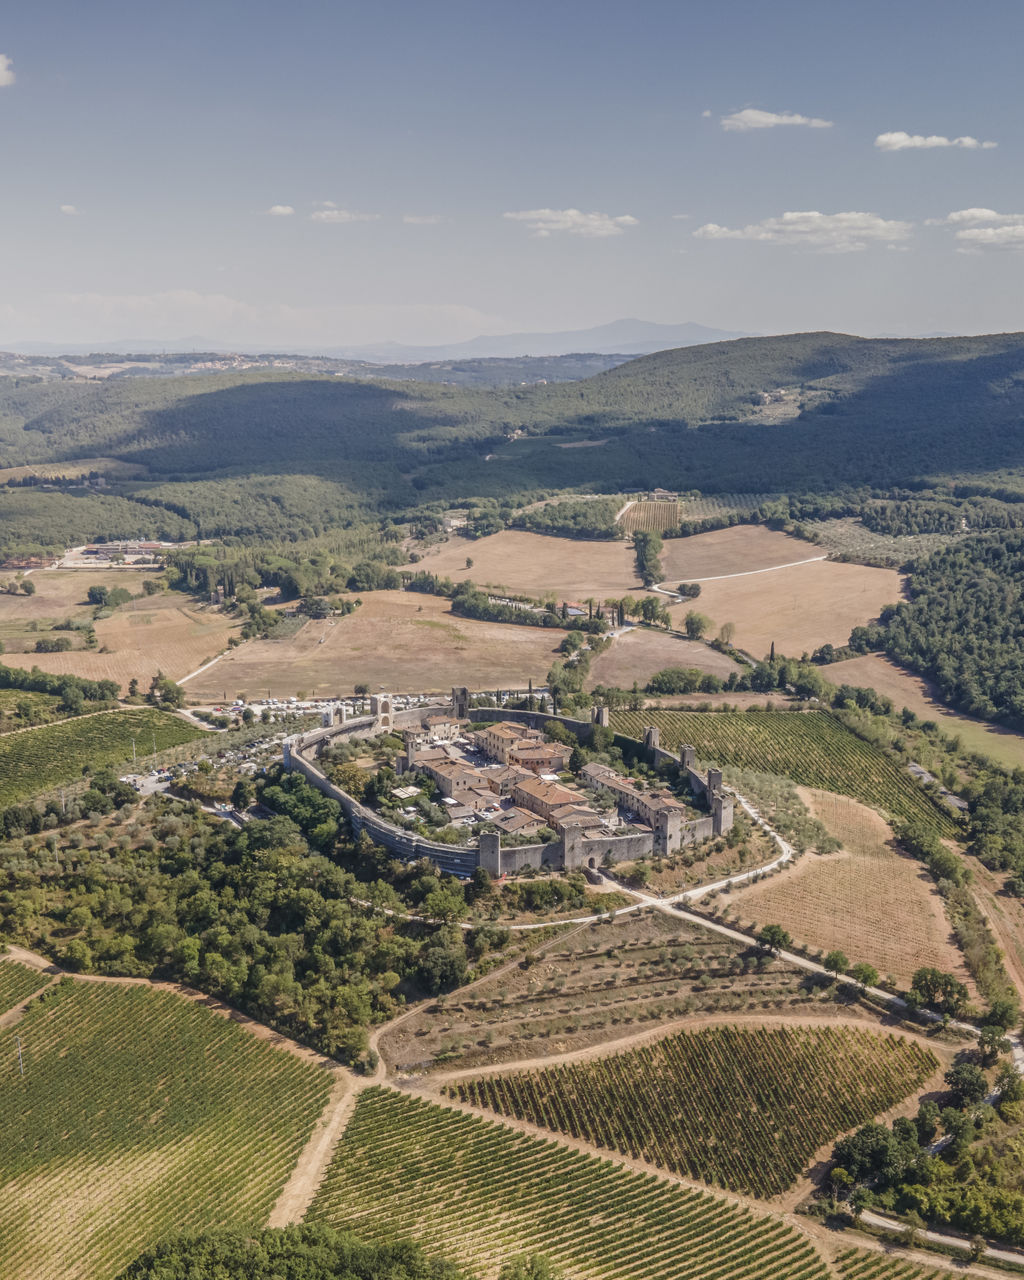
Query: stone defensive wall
[574, 850]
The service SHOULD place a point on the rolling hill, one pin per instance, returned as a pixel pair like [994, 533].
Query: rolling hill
[265, 453]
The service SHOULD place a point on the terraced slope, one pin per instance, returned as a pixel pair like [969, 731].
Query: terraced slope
[481, 1192]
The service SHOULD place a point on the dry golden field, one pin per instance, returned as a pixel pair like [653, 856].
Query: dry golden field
[168, 633]
[911, 691]
[796, 609]
[60, 593]
[869, 901]
[531, 564]
[638, 654]
[398, 640]
[745, 548]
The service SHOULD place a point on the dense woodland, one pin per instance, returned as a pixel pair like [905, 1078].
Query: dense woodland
[315, 1252]
[271, 455]
[263, 917]
[963, 626]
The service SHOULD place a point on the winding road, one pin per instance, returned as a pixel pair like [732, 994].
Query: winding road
[311, 1167]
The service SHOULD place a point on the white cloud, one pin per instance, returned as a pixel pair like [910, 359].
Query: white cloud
[331, 213]
[1004, 237]
[70, 210]
[422, 219]
[280, 211]
[900, 141]
[680, 217]
[974, 218]
[825, 232]
[705, 115]
[593, 226]
[752, 118]
[7, 75]
[979, 229]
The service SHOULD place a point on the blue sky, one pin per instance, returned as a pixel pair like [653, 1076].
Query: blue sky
[648, 152]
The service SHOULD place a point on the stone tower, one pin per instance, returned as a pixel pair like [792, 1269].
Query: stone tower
[382, 708]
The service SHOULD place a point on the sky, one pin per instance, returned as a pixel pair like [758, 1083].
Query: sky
[324, 173]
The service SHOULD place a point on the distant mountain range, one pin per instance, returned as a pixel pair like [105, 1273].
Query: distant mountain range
[620, 337]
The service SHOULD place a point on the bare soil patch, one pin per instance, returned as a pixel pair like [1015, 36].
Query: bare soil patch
[638, 654]
[870, 901]
[398, 640]
[798, 608]
[914, 692]
[531, 564]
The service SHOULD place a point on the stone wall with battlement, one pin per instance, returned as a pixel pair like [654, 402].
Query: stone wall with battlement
[574, 850]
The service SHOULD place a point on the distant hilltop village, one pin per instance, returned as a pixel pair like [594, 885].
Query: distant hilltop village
[509, 776]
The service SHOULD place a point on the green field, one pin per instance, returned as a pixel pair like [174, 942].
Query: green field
[55, 754]
[812, 748]
[139, 1114]
[481, 1192]
[738, 1108]
[17, 983]
[859, 1264]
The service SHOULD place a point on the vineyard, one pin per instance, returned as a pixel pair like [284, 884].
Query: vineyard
[139, 1114]
[17, 983]
[811, 748]
[740, 1108]
[858, 1264]
[35, 761]
[473, 1189]
[661, 517]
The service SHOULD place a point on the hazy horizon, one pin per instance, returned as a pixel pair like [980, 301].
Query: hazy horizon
[348, 176]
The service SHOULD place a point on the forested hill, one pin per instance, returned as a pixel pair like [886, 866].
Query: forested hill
[804, 412]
